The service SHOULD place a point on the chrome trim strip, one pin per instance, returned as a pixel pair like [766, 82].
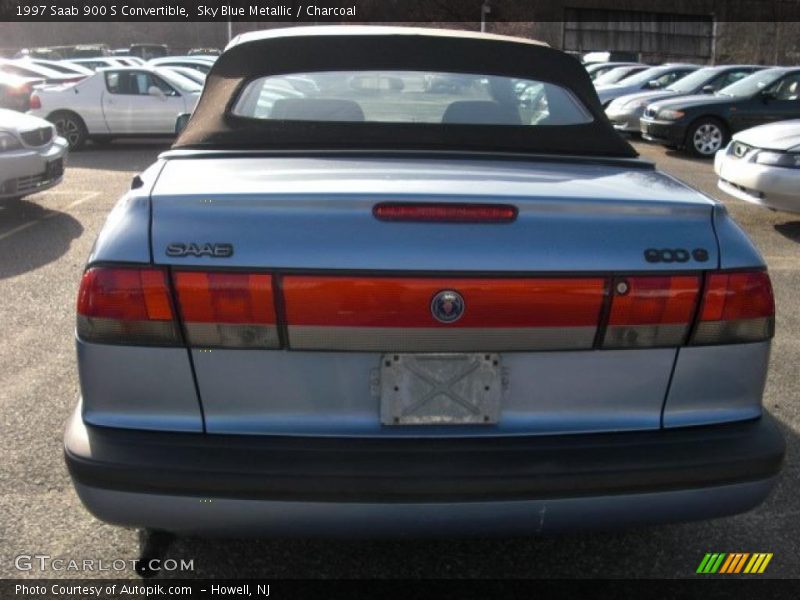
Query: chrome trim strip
[440, 339]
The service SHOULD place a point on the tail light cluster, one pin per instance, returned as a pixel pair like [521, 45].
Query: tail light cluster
[232, 309]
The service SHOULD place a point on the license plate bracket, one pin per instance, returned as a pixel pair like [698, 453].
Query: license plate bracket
[440, 389]
[54, 169]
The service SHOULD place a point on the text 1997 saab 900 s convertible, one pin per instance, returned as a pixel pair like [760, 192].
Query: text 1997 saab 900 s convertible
[351, 302]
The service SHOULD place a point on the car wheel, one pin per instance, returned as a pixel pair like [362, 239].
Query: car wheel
[70, 126]
[705, 137]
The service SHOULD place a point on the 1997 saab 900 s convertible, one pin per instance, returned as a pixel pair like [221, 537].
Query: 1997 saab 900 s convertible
[368, 305]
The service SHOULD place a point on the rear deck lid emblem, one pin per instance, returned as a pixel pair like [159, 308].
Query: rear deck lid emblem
[447, 306]
[200, 249]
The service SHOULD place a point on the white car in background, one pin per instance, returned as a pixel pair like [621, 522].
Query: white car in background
[762, 166]
[31, 155]
[26, 68]
[59, 66]
[98, 62]
[113, 103]
[198, 63]
[197, 76]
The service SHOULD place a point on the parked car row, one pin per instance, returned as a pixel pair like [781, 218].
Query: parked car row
[746, 116]
[144, 51]
[703, 124]
[104, 97]
[693, 108]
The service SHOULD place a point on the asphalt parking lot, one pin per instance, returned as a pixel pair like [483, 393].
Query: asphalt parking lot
[44, 241]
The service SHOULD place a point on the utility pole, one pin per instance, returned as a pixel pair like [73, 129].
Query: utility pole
[486, 8]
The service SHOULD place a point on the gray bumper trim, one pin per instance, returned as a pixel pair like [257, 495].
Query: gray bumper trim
[225, 517]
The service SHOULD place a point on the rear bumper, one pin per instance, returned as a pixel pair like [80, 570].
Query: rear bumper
[234, 485]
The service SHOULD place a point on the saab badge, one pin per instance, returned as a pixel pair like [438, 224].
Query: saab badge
[447, 306]
[200, 249]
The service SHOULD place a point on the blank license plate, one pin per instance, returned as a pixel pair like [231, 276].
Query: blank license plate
[440, 389]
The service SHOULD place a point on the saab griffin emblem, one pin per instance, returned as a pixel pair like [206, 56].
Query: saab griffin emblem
[206, 249]
[447, 306]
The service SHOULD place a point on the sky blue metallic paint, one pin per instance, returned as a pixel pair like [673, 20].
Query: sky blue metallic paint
[316, 214]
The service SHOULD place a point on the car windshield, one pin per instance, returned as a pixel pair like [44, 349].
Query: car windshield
[753, 84]
[184, 84]
[693, 81]
[409, 97]
[644, 76]
[615, 75]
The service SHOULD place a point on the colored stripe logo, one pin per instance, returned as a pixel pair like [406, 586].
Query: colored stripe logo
[734, 563]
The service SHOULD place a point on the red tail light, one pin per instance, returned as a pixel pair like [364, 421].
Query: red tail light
[737, 308]
[227, 309]
[445, 212]
[126, 306]
[387, 313]
[35, 102]
[651, 311]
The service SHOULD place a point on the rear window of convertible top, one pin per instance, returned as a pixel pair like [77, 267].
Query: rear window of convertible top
[409, 97]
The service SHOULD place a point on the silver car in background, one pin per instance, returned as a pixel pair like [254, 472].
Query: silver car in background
[653, 78]
[762, 166]
[617, 74]
[599, 69]
[347, 304]
[32, 156]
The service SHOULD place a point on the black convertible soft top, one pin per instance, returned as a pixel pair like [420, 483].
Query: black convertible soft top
[343, 48]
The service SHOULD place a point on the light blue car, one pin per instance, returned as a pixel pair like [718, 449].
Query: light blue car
[378, 309]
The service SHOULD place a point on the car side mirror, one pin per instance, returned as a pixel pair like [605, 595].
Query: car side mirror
[653, 85]
[707, 89]
[156, 91]
[181, 122]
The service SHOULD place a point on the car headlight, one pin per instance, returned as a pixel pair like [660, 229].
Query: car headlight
[790, 160]
[670, 115]
[9, 142]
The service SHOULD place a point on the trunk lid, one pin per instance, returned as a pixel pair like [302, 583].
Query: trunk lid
[352, 292]
[292, 213]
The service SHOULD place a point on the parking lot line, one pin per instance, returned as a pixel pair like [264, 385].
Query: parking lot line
[53, 213]
[782, 263]
[22, 227]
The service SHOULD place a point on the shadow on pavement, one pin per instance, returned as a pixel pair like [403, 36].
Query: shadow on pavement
[46, 236]
[790, 230]
[133, 156]
[683, 155]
